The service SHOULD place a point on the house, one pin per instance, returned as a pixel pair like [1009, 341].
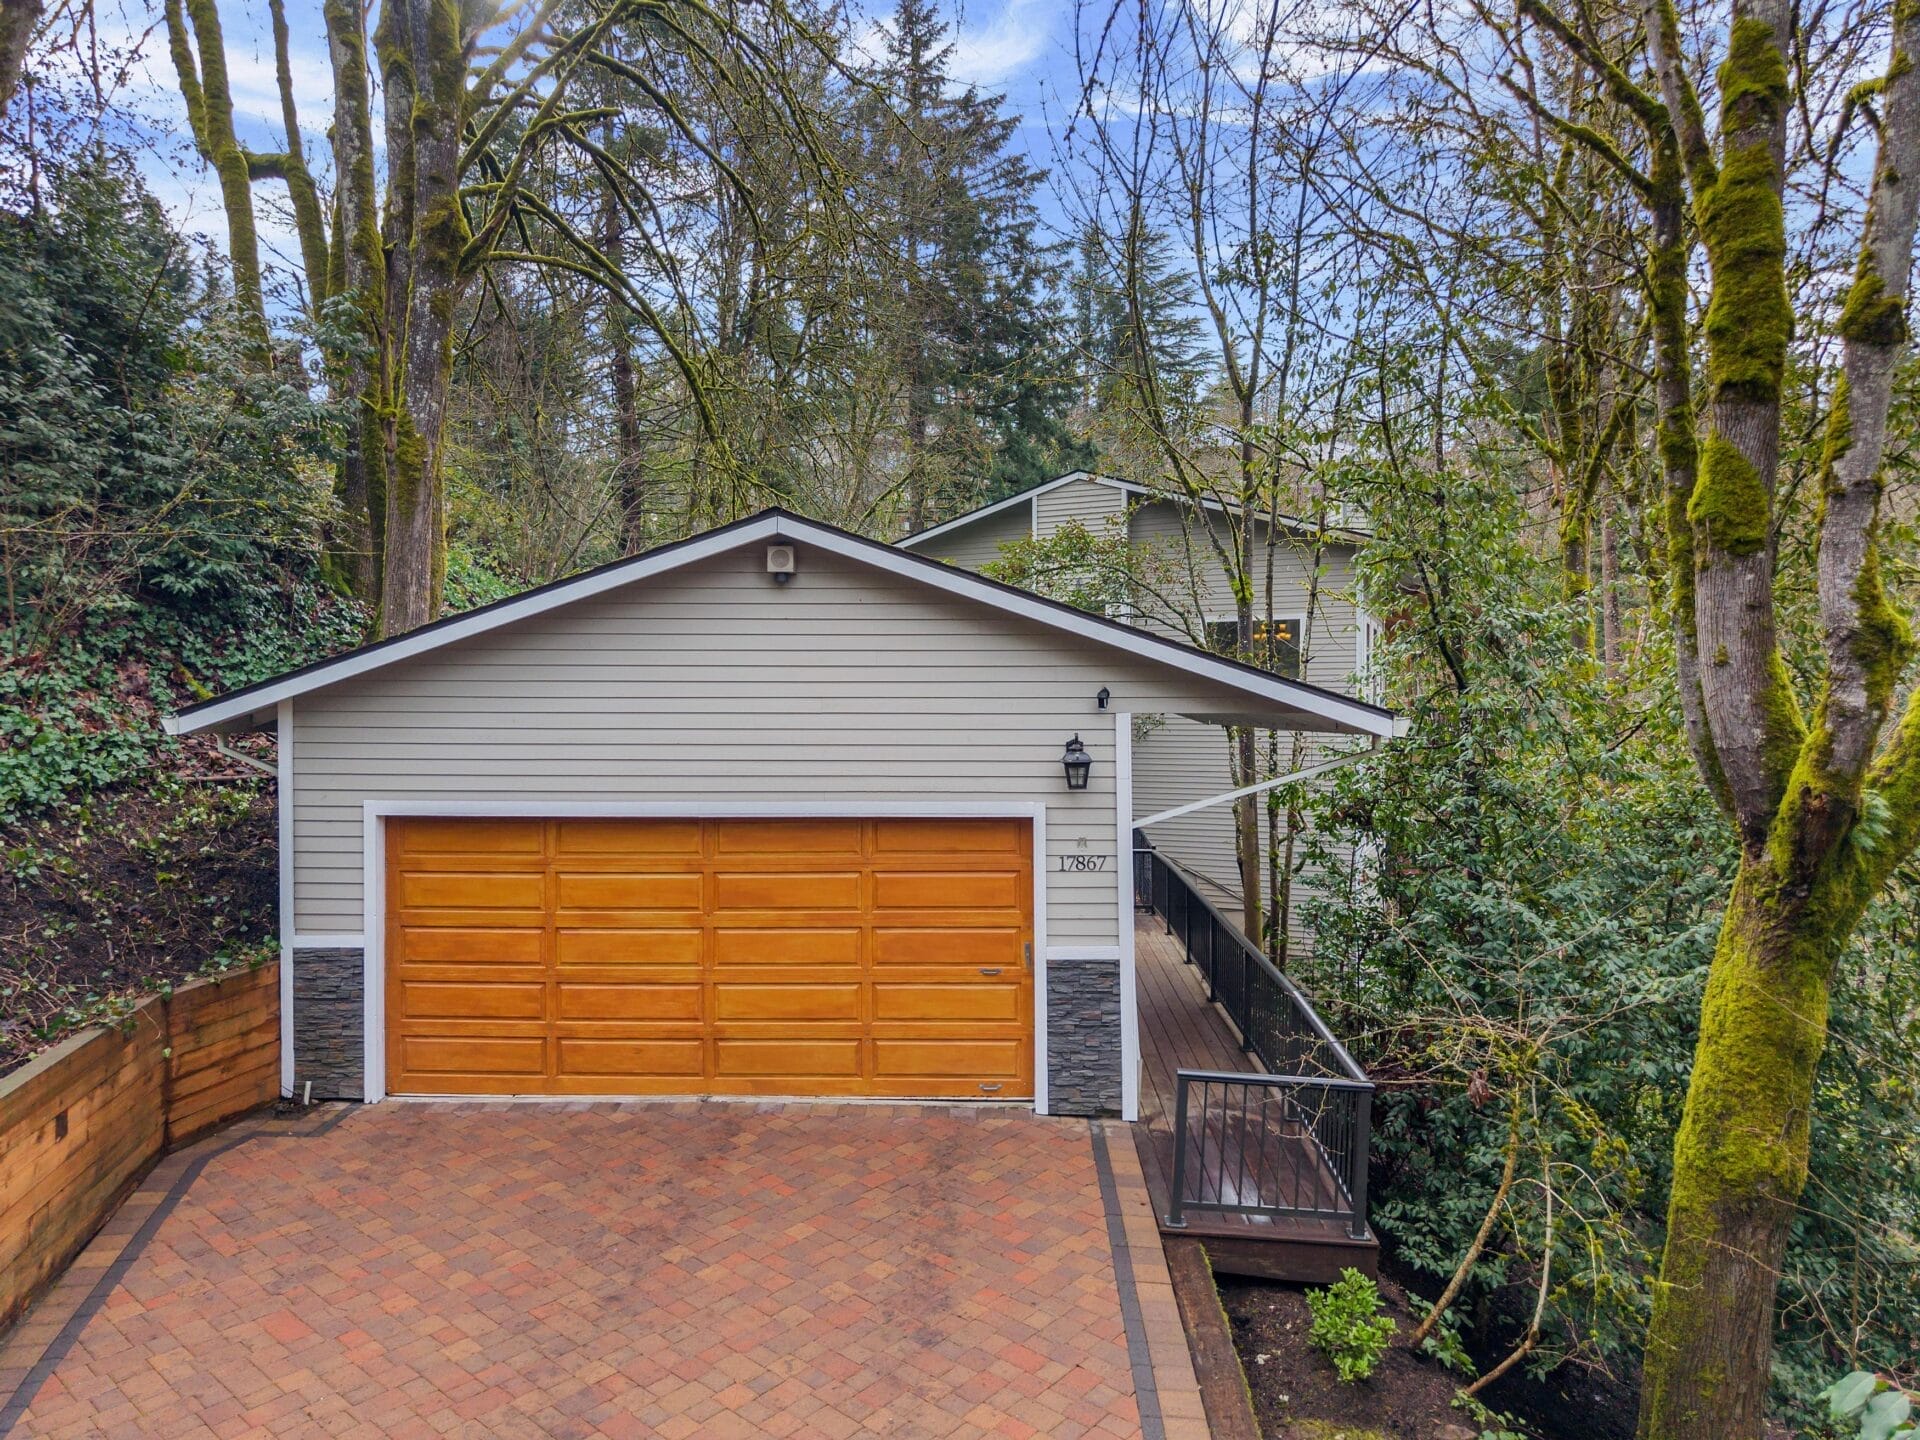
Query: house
[1179, 760]
[776, 810]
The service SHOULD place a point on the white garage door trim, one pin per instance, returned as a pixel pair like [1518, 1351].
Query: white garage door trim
[373, 840]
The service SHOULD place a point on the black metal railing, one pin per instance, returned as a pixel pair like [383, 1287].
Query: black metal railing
[1292, 1141]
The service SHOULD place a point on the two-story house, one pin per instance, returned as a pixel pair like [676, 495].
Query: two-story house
[1321, 636]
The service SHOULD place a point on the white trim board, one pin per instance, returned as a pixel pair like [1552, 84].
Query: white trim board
[1290, 701]
[283, 807]
[373, 841]
[1123, 916]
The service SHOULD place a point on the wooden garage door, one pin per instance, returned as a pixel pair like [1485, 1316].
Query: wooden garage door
[737, 957]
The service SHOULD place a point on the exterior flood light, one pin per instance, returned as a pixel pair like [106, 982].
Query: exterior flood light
[1077, 763]
[781, 563]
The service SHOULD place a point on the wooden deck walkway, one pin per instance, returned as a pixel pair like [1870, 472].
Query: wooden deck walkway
[1181, 1030]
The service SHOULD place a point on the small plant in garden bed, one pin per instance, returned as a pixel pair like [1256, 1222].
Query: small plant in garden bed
[1347, 1325]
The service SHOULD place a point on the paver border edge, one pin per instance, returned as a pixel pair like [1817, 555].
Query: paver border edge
[251, 1128]
[1146, 1392]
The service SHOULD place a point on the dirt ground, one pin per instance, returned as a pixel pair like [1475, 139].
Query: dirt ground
[134, 888]
[1297, 1395]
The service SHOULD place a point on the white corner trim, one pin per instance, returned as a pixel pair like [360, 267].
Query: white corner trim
[1292, 698]
[283, 811]
[1123, 913]
[1042, 1104]
[373, 956]
[373, 840]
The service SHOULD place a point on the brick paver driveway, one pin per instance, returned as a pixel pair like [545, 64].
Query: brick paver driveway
[618, 1270]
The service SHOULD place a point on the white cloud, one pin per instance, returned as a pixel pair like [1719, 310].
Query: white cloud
[1003, 47]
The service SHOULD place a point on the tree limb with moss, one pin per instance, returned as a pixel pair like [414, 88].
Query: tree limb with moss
[1825, 800]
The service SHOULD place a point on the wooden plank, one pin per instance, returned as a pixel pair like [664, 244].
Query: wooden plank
[1216, 1365]
[60, 1181]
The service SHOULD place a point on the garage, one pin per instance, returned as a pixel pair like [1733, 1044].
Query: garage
[776, 810]
[886, 957]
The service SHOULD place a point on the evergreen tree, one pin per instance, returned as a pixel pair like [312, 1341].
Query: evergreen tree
[1123, 357]
[978, 327]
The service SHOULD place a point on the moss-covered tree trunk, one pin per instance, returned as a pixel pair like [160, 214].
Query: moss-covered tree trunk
[1826, 807]
[1820, 822]
[198, 47]
[423, 62]
[354, 542]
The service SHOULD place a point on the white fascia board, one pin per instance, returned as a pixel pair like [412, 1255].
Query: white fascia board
[1345, 715]
[1025, 497]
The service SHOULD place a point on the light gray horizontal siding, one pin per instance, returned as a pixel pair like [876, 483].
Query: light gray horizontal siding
[1334, 637]
[1094, 505]
[1178, 761]
[978, 543]
[714, 685]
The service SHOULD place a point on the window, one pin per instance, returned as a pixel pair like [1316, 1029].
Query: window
[1223, 637]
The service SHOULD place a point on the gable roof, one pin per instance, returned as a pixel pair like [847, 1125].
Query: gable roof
[1340, 713]
[1340, 533]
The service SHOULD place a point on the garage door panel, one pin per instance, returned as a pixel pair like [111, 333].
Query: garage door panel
[473, 837]
[791, 1058]
[475, 891]
[787, 1002]
[633, 947]
[800, 838]
[589, 1001]
[470, 945]
[649, 1059]
[764, 945]
[1005, 838]
[988, 1001]
[430, 1055]
[856, 957]
[929, 945]
[455, 1000]
[621, 838]
[947, 890]
[823, 891]
[948, 1059]
[599, 890]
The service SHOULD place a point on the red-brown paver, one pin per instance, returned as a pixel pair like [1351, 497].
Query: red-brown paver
[667, 1270]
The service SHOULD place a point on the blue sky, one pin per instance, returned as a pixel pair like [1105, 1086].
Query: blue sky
[1021, 47]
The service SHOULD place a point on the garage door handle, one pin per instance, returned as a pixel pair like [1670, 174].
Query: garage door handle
[990, 1088]
[994, 971]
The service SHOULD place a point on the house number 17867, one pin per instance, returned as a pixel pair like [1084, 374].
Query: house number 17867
[1085, 862]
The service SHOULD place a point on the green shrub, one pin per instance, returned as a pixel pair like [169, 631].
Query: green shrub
[1875, 1406]
[1347, 1327]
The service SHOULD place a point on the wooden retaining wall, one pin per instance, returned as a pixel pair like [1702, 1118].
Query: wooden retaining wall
[81, 1124]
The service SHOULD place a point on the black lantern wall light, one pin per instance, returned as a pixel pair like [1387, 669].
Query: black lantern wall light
[1077, 763]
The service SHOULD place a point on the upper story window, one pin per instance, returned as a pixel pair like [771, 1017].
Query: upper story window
[1223, 637]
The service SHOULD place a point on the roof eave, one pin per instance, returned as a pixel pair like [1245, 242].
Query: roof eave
[1287, 697]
